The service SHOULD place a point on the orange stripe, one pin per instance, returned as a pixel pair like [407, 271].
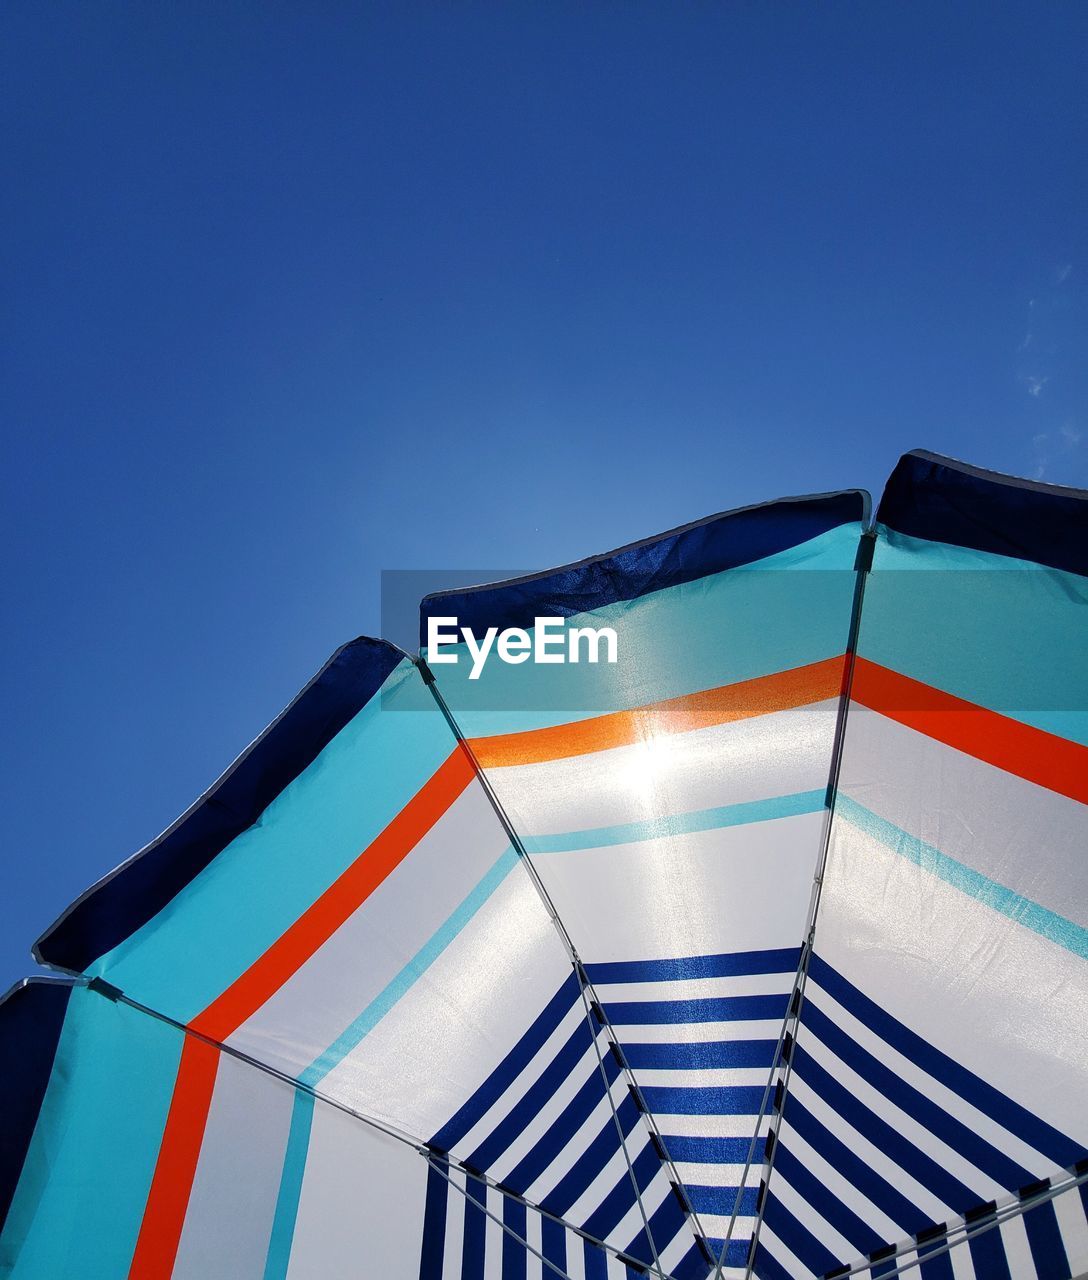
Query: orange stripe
[319, 922]
[172, 1182]
[1044, 758]
[171, 1185]
[741, 701]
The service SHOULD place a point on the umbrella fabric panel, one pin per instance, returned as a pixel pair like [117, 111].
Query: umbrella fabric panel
[938, 1071]
[682, 821]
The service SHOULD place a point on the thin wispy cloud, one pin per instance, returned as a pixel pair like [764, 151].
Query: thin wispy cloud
[1054, 446]
[1045, 332]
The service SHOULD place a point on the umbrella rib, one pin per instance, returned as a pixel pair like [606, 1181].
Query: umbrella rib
[964, 1233]
[390, 1131]
[589, 995]
[862, 565]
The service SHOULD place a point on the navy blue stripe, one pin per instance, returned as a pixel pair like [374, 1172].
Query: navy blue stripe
[596, 1262]
[720, 542]
[524, 1112]
[988, 1253]
[1045, 1240]
[434, 1226]
[553, 1245]
[475, 1231]
[693, 1265]
[511, 1066]
[992, 1102]
[856, 1171]
[698, 1054]
[947, 1128]
[608, 1214]
[730, 964]
[564, 1127]
[767, 1267]
[127, 900]
[31, 1018]
[514, 1256]
[737, 1253]
[938, 1268]
[942, 500]
[588, 1165]
[683, 1149]
[845, 1221]
[667, 1221]
[712, 1009]
[956, 1194]
[714, 1100]
[722, 1200]
[797, 1238]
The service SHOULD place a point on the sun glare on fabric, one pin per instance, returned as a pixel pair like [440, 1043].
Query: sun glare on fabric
[651, 763]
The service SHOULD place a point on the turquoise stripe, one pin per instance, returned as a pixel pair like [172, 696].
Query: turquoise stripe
[932, 609]
[80, 1199]
[729, 815]
[1031, 915]
[410, 974]
[294, 1165]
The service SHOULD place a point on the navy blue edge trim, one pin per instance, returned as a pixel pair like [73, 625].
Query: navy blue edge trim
[719, 542]
[31, 1017]
[942, 500]
[139, 888]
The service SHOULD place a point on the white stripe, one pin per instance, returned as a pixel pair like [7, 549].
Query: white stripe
[742, 888]
[1014, 1236]
[698, 1032]
[962, 1266]
[701, 769]
[455, 1224]
[494, 1236]
[1074, 1228]
[980, 815]
[740, 1126]
[238, 1175]
[741, 984]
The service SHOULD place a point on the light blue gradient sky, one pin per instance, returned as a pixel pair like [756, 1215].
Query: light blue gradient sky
[297, 293]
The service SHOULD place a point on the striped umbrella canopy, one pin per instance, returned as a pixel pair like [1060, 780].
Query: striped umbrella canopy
[760, 951]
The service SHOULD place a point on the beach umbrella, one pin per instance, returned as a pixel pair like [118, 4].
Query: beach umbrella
[715, 906]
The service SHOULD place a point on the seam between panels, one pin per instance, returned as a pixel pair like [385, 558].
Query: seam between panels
[114, 994]
[783, 1055]
[594, 1008]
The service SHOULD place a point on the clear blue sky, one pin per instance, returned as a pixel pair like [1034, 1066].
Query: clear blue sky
[294, 293]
